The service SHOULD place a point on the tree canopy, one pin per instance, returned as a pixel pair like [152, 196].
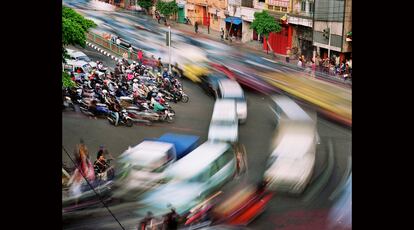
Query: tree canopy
[74, 27]
[167, 8]
[264, 23]
[146, 4]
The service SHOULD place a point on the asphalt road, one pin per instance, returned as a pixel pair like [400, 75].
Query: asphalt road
[193, 118]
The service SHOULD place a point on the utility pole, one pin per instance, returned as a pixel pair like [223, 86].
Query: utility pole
[169, 49]
[329, 42]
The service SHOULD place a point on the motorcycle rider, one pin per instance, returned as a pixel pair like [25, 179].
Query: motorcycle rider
[100, 164]
[157, 106]
[135, 85]
[170, 221]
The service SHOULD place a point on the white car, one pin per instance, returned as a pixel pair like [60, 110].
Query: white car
[80, 56]
[230, 89]
[291, 164]
[195, 177]
[224, 123]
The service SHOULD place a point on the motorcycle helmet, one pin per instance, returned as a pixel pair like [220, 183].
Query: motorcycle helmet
[104, 91]
[135, 80]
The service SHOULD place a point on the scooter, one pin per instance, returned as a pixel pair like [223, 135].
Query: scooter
[120, 118]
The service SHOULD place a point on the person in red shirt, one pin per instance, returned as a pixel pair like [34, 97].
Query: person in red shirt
[139, 56]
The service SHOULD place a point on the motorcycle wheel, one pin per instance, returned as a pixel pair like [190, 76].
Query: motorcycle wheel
[129, 123]
[170, 119]
[172, 111]
[185, 98]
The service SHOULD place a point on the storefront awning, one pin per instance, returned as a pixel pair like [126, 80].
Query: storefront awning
[235, 20]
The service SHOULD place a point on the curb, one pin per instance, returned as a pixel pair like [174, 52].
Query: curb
[113, 57]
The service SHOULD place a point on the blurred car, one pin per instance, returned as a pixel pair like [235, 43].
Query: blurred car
[194, 71]
[143, 165]
[224, 122]
[290, 165]
[230, 89]
[192, 179]
[209, 82]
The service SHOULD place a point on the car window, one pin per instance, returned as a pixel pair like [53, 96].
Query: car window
[202, 177]
[225, 158]
[68, 67]
[84, 58]
[214, 168]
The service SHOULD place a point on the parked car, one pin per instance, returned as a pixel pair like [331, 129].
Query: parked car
[80, 56]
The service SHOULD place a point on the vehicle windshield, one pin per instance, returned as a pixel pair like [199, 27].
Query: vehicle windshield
[87, 68]
[84, 58]
[223, 122]
[155, 167]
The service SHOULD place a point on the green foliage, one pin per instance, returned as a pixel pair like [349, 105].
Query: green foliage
[167, 8]
[146, 4]
[264, 24]
[74, 27]
[66, 81]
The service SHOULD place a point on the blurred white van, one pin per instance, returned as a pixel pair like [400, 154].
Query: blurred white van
[230, 89]
[224, 122]
[290, 165]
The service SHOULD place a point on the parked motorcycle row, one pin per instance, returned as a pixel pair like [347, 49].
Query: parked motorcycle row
[132, 93]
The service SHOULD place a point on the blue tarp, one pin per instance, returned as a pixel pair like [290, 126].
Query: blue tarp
[184, 144]
[236, 20]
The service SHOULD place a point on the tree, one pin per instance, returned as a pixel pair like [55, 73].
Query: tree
[67, 81]
[145, 4]
[74, 28]
[264, 24]
[167, 8]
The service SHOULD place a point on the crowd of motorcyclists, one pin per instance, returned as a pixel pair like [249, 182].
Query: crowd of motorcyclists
[131, 92]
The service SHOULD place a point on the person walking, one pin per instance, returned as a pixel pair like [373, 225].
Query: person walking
[196, 27]
[222, 34]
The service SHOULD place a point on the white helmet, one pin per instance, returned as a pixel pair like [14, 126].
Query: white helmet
[104, 91]
[135, 80]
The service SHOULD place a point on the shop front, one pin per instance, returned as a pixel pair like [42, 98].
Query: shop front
[234, 27]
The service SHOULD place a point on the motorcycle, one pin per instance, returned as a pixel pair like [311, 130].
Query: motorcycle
[150, 115]
[85, 196]
[181, 96]
[101, 110]
[117, 118]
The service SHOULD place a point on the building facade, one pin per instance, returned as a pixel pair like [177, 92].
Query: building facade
[301, 20]
[332, 22]
[280, 42]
